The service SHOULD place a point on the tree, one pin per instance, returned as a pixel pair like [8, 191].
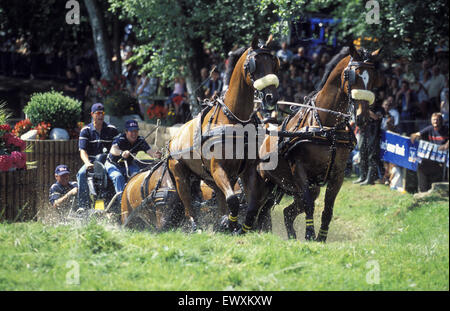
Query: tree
[405, 29]
[100, 35]
[173, 34]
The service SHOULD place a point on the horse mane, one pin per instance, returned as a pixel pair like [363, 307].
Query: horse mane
[329, 67]
[232, 61]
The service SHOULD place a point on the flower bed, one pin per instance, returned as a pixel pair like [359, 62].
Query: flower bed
[12, 150]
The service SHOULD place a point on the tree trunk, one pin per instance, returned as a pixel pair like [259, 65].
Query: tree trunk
[102, 46]
[193, 74]
[117, 34]
[192, 84]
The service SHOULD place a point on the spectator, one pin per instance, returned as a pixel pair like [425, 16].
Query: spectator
[425, 67]
[422, 95]
[70, 87]
[300, 94]
[145, 88]
[437, 83]
[405, 98]
[299, 60]
[444, 102]
[285, 55]
[391, 116]
[429, 171]
[63, 190]
[214, 85]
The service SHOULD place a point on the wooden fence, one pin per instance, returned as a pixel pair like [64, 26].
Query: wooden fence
[18, 201]
[48, 154]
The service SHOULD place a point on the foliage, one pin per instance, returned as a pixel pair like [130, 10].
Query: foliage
[116, 99]
[119, 104]
[172, 34]
[5, 114]
[106, 88]
[409, 29]
[54, 108]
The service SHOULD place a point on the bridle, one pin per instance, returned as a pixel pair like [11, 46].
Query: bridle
[350, 78]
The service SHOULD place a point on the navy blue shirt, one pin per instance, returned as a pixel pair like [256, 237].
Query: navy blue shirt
[438, 137]
[123, 144]
[93, 142]
[57, 191]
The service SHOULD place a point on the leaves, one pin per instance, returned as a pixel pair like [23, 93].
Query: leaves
[54, 108]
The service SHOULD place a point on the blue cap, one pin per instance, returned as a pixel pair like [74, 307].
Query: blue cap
[97, 107]
[61, 170]
[131, 125]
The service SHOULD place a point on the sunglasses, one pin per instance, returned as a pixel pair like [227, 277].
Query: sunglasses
[99, 112]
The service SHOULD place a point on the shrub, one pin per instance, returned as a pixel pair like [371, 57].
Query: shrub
[54, 108]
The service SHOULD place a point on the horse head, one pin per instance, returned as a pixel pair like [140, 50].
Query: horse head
[359, 78]
[260, 69]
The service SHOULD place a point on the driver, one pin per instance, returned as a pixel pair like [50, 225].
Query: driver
[121, 148]
[95, 138]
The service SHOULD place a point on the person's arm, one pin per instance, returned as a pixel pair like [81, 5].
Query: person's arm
[64, 198]
[85, 158]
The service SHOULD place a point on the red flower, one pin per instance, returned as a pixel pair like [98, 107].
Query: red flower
[5, 127]
[18, 159]
[6, 163]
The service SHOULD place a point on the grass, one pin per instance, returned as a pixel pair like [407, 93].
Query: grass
[379, 240]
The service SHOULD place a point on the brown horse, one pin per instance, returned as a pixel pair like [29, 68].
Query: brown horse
[314, 144]
[255, 70]
[149, 200]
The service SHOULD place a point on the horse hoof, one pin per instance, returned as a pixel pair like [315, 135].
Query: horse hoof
[310, 235]
[239, 231]
[226, 225]
[321, 239]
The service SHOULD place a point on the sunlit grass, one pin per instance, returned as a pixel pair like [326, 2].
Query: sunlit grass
[379, 240]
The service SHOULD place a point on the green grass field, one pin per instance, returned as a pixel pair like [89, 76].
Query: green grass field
[379, 240]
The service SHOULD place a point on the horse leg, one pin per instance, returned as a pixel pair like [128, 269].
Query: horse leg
[222, 181]
[303, 187]
[256, 191]
[223, 209]
[182, 180]
[290, 213]
[264, 220]
[334, 185]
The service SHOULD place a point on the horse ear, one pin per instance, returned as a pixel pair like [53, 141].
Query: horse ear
[376, 53]
[254, 43]
[269, 40]
[354, 52]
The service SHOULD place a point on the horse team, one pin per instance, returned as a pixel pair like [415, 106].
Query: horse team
[310, 147]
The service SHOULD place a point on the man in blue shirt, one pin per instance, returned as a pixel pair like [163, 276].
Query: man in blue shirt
[122, 146]
[61, 191]
[95, 138]
[428, 171]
